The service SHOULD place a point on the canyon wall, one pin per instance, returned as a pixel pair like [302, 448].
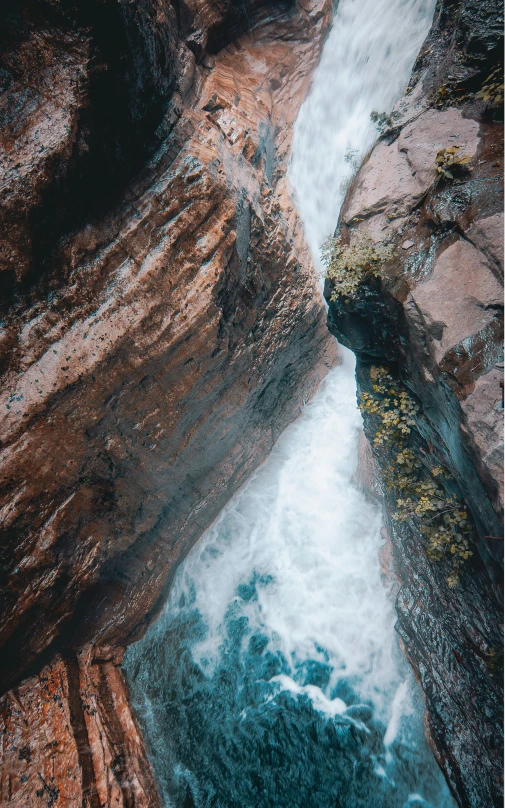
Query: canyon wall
[435, 320]
[68, 737]
[160, 328]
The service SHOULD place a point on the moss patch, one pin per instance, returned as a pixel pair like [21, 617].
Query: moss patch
[348, 265]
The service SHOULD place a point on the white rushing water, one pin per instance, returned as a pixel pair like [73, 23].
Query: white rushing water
[312, 540]
[301, 518]
[291, 566]
[365, 65]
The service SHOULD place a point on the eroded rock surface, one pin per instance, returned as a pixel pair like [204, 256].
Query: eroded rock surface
[68, 737]
[153, 346]
[436, 320]
[183, 335]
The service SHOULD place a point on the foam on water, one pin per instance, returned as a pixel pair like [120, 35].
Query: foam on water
[273, 677]
[310, 539]
[278, 641]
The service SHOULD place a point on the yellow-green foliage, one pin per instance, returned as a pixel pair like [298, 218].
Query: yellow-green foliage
[494, 663]
[347, 265]
[449, 94]
[443, 95]
[448, 161]
[492, 89]
[421, 498]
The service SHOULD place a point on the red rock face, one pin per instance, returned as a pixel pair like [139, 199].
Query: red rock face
[151, 356]
[186, 334]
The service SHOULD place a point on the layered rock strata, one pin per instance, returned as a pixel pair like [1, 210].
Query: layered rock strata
[155, 342]
[436, 321]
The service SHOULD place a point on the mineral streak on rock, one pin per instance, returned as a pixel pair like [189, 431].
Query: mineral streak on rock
[158, 335]
[437, 322]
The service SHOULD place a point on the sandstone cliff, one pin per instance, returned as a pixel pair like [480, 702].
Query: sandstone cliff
[435, 320]
[160, 329]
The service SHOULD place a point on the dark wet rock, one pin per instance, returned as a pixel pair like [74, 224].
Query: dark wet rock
[436, 321]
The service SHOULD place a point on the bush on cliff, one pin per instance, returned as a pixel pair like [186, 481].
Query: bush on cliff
[449, 163]
[348, 265]
[421, 496]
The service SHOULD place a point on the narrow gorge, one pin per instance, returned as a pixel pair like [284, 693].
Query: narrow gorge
[217, 589]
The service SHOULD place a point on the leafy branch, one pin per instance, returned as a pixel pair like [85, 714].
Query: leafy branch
[448, 161]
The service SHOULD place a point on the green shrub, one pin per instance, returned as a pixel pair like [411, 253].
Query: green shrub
[384, 121]
[421, 498]
[449, 94]
[492, 89]
[348, 265]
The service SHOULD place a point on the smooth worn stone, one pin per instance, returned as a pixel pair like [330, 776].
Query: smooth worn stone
[459, 295]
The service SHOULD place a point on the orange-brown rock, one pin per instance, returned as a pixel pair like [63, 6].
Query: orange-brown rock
[151, 352]
[180, 334]
[183, 334]
[68, 737]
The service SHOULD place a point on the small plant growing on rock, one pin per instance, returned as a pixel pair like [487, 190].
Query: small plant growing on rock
[442, 95]
[492, 89]
[449, 94]
[352, 157]
[449, 162]
[348, 265]
[421, 498]
[384, 121]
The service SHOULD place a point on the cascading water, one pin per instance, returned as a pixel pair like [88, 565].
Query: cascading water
[365, 65]
[273, 677]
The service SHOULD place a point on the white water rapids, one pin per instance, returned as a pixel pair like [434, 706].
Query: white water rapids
[279, 630]
[303, 528]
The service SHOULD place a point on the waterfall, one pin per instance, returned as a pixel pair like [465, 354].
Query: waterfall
[366, 63]
[273, 677]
